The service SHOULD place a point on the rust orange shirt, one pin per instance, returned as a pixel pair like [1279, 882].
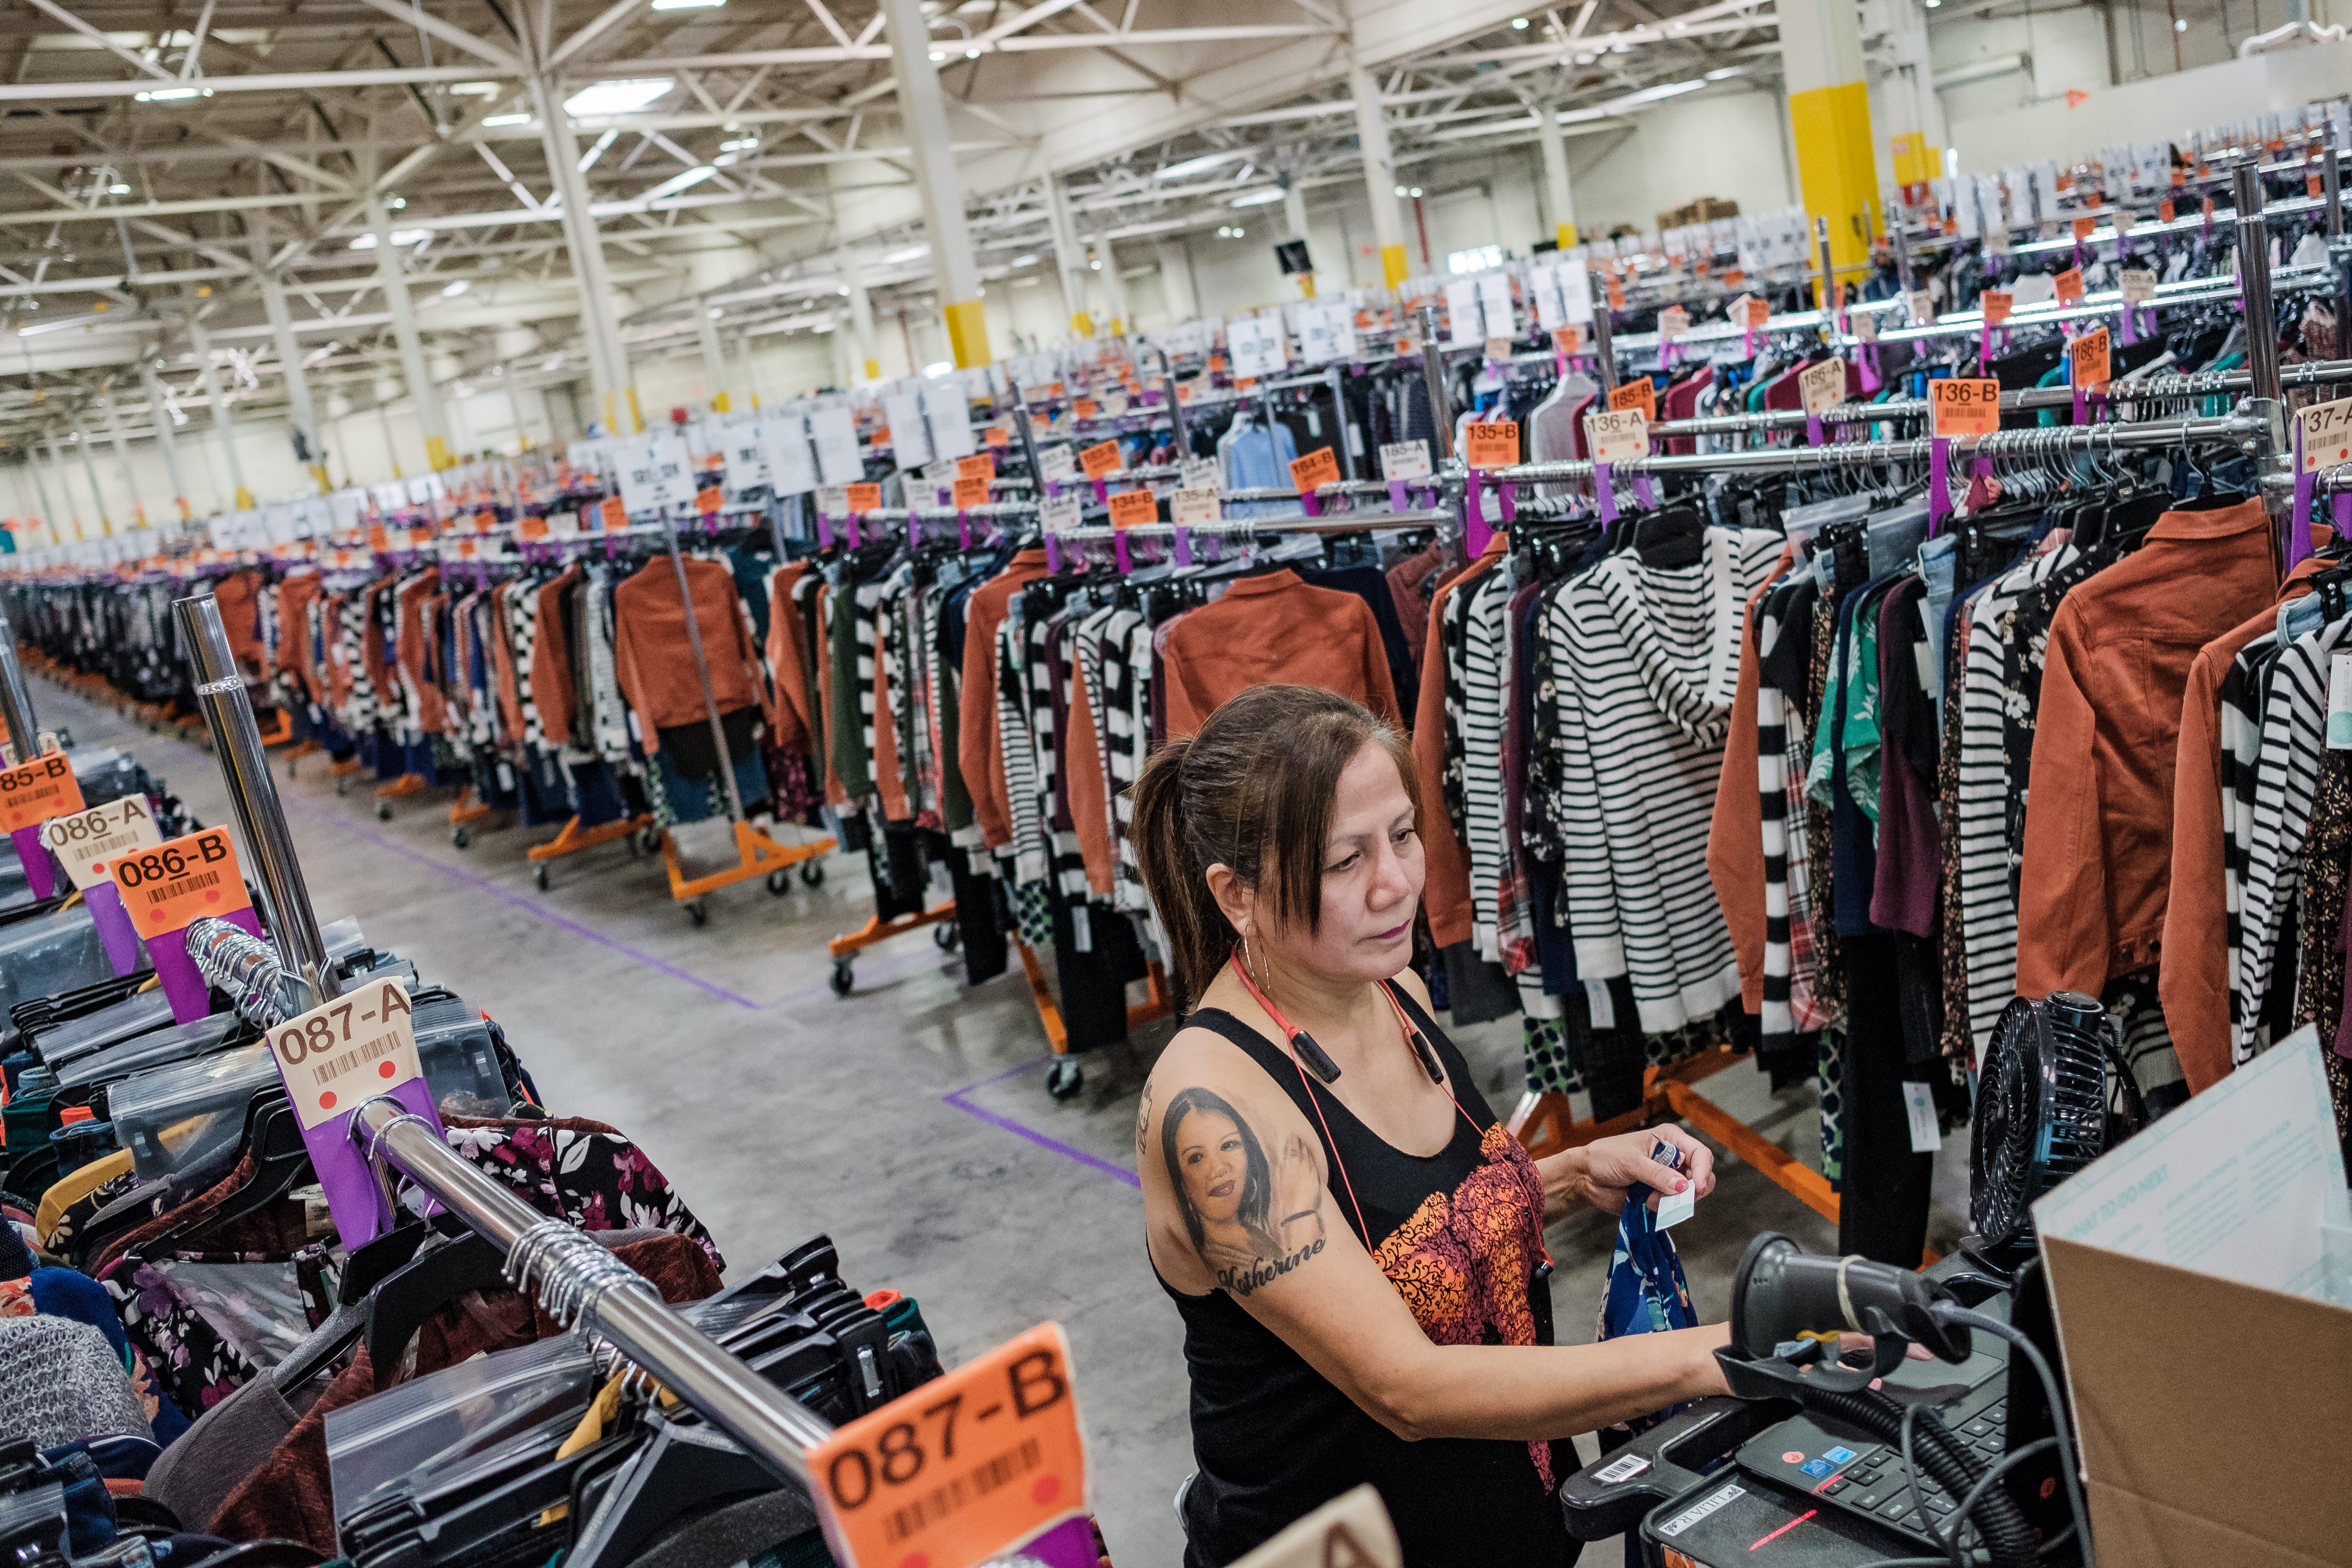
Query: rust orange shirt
[977, 757]
[1734, 835]
[1275, 629]
[655, 662]
[2098, 827]
[1445, 865]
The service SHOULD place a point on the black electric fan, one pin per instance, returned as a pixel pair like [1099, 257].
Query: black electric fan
[2054, 1094]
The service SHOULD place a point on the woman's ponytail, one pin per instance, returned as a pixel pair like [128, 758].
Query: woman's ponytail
[1199, 939]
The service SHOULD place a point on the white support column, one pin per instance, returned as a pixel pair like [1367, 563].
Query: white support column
[430, 420]
[51, 518]
[202, 341]
[1559, 201]
[384, 423]
[1069, 258]
[924, 117]
[714, 358]
[308, 450]
[1379, 175]
[608, 356]
[166, 439]
[865, 360]
[1294, 218]
[1114, 285]
[89, 471]
[65, 485]
[123, 458]
[1175, 281]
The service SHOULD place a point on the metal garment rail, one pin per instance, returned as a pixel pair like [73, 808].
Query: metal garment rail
[585, 1285]
[16, 700]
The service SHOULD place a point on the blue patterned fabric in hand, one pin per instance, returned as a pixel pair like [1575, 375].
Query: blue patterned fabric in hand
[1647, 1293]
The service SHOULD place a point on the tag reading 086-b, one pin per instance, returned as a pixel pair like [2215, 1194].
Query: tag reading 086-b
[170, 885]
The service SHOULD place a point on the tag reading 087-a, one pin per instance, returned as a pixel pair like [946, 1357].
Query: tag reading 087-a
[359, 1045]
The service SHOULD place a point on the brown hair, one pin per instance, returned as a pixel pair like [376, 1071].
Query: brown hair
[1253, 790]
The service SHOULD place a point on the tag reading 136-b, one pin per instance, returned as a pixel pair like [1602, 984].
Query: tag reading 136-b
[962, 1468]
[174, 884]
[1964, 405]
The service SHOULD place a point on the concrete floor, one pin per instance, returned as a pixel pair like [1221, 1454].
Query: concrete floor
[910, 1121]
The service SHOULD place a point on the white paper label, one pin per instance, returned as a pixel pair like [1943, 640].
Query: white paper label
[1864, 325]
[1404, 461]
[2138, 285]
[948, 412]
[1495, 299]
[1822, 385]
[834, 432]
[1198, 474]
[746, 465]
[2339, 704]
[1698, 1511]
[1552, 314]
[2325, 430]
[833, 501]
[87, 841]
[1057, 462]
[1927, 1133]
[1996, 241]
[791, 466]
[1576, 292]
[1190, 507]
[359, 1046]
[1059, 514]
[1464, 327]
[1617, 436]
[1676, 1208]
[1923, 305]
[910, 443]
[655, 472]
[1674, 321]
[1257, 346]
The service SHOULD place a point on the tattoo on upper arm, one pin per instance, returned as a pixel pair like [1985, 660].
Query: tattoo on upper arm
[1253, 1215]
[1142, 1123]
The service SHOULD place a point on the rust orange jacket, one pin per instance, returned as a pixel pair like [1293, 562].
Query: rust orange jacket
[1445, 865]
[977, 756]
[1275, 628]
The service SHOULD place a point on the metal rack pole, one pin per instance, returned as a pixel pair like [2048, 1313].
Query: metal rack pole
[1432, 371]
[1339, 415]
[2331, 192]
[16, 698]
[1028, 434]
[253, 795]
[1902, 257]
[702, 667]
[1826, 300]
[619, 1308]
[1177, 437]
[1605, 350]
[2254, 281]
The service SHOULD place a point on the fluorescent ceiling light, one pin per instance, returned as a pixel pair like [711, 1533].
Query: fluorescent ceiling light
[476, 88]
[909, 253]
[621, 96]
[1028, 261]
[1658, 94]
[399, 237]
[687, 4]
[118, 190]
[60, 324]
[1200, 165]
[1258, 198]
[938, 368]
[507, 119]
[1725, 73]
[173, 94]
[452, 290]
[740, 145]
[679, 182]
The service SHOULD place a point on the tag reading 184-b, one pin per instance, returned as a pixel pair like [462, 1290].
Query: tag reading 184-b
[361, 1045]
[962, 1468]
[173, 885]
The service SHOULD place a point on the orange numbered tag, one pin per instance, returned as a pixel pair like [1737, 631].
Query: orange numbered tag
[1616, 292]
[1568, 339]
[1321, 467]
[1099, 460]
[1733, 277]
[1493, 445]
[962, 1470]
[2164, 209]
[996, 436]
[379, 537]
[1996, 305]
[2069, 286]
[707, 501]
[1084, 407]
[2088, 359]
[466, 550]
[2179, 178]
[1131, 506]
[531, 526]
[1965, 405]
[42, 788]
[979, 466]
[862, 497]
[176, 883]
[970, 493]
[1638, 392]
[2209, 207]
[615, 514]
[2314, 187]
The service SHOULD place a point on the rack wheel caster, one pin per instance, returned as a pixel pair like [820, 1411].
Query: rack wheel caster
[649, 840]
[539, 876]
[844, 977]
[946, 937]
[1063, 1078]
[461, 839]
[342, 786]
[384, 811]
[778, 884]
[292, 769]
[812, 873]
[699, 912]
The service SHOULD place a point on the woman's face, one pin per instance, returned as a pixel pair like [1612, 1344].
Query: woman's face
[1372, 873]
[1209, 1152]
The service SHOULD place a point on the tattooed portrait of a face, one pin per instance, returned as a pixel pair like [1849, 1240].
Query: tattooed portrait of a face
[1252, 1216]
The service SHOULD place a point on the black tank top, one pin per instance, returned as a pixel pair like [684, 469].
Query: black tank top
[1460, 1234]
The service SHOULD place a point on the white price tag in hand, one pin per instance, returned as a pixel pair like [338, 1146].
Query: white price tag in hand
[1926, 1132]
[1674, 1207]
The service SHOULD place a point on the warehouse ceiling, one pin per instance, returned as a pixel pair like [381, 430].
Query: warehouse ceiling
[157, 159]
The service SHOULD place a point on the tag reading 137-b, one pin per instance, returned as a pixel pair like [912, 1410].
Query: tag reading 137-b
[173, 885]
[962, 1468]
[361, 1045]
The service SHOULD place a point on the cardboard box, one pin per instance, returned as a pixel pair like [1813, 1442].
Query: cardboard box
[2212, 1379]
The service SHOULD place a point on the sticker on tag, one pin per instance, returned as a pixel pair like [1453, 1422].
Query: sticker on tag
[2339, 703]
[969, 1466]
[2327, 431]
[174, 884]
[86, 841]
[1919, 1107]
[42, 788]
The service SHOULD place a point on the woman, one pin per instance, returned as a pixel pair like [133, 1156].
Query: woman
[1354, 1242]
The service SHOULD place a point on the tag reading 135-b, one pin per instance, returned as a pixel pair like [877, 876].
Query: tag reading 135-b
[962, 1468]
[174, 884]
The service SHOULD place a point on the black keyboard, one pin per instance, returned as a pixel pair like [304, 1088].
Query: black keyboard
[1846, 1468]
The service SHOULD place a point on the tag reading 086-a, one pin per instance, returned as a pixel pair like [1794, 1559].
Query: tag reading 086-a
[962, 1468]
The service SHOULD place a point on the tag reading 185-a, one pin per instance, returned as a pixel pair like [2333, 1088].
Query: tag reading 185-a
[359, 1045]
[87, 841]
[962, 1468]
[174, 884]
[42, 788]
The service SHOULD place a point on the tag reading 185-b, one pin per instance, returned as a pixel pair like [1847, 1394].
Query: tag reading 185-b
[174, 884]
[359, 1045]
[962, 1468]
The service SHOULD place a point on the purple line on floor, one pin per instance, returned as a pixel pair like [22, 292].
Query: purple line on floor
[531, 906]
[956, 1098]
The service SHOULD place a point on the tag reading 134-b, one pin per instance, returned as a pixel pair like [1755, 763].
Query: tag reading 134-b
[962, 1468]
[361, 1045]
[174, 884]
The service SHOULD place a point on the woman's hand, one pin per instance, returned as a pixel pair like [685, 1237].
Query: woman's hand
[1610, 1165]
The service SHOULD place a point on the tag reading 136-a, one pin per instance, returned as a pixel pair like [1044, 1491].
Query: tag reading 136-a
[361, 1045]
[962, 1468]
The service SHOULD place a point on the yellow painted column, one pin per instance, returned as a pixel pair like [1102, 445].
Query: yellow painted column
[1380, 177]
[1829, 120]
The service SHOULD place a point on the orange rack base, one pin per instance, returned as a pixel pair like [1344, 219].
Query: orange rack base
[756, 855]
[574, 839]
